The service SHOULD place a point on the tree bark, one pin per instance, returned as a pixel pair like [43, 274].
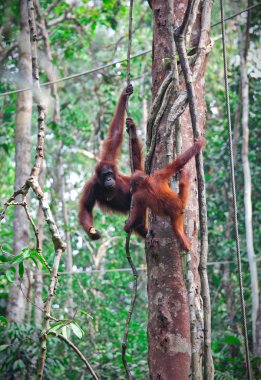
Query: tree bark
[169, 332]
[16, 302]
[244, 95]
[247, 194]
[257, 348]
[247, 197]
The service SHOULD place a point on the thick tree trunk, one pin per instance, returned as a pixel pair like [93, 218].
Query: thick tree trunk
[169, 331]
[16, 301]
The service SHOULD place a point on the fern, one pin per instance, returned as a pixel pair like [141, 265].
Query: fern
[223, 375]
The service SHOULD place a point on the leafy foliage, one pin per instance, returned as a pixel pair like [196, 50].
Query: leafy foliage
[101, 299]
[20, 353]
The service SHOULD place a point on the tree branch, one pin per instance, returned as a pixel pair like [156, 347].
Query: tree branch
[189, 18]
[5, 54]
[78, 352]
[156, 106]
[156, 122]
[67, 16]
[191, 21]
[51, 6]
[50, 70]
[173, 126]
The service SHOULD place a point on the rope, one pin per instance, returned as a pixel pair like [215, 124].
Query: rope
[87, 72]
[127, 245]
[133, 299]
[243, 307]
[236, 14]
[90, 271]
[114, 62]
[128, 81]
[129, 42]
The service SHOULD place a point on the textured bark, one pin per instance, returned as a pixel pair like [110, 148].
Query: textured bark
[169, 324]
[202, 40]
[16, 302]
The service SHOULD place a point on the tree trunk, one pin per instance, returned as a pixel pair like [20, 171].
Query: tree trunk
[169, 330]
[247, 198]
[244, 95]
[16, 302]
[257, 351]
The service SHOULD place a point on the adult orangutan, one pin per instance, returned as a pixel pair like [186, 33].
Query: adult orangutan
[109, 188]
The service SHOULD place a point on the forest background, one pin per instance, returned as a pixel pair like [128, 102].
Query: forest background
[84, 35]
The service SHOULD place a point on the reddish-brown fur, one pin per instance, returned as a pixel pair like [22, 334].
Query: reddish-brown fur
[118, 199]
[154, 192]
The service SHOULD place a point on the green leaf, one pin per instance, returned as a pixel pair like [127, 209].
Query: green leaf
[35, 254]
[34, 261]
[85, 313]
[77, 330]
[3, 259]
[18, 364]
[21, 270]
[9, 275]
[58, 325]
[26, 254]
[231, 339]
[23, 255]
[4, 347]
[3, 320]
[17, 258]
[64, 332]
